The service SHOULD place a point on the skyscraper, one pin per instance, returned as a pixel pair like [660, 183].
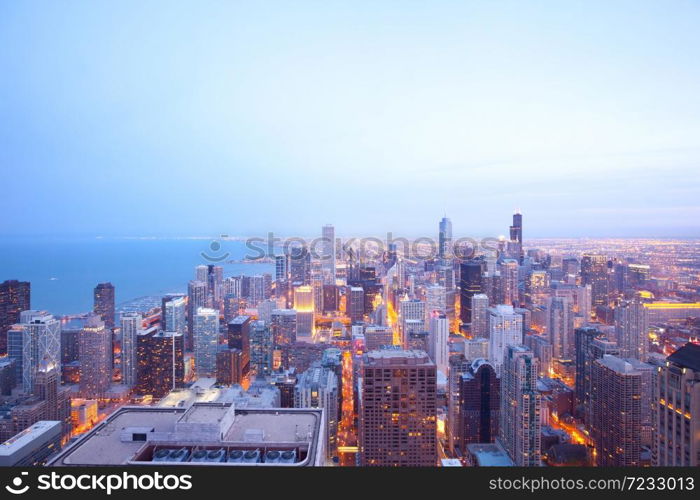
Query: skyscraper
[594, 272]
[616, 407]
[509, 292]
[676, 409]
[174, 314]
[206, 341]
[14, 298]
[36, 338]
[445, 239]
[261, 347]
[398, 409]
[479, 405]
[438, 347]
[355, 304]
[238, 337]
[480, 315]
[470, 284]
[516, 235]
[160, 362]
[328, 254]
[505, 329]
[131, 325]
[520, 424]
[318, 387]
[104, 303]
[632, 329]
[559, 328]
[305, 308]
[95, 352]
[196, 298]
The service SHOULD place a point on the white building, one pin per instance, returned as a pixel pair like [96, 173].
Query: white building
[206, 340]
[505, 329]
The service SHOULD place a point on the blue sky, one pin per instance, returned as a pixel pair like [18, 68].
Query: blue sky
[184, 118]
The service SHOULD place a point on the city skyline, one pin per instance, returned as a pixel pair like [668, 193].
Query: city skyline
[180, 120]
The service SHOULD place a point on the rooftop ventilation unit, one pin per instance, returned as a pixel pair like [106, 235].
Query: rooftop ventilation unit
[216, 455]
[251, 457]
[180, 455]
[162, 455]
[288, 457]
[236, 456]
[272, 457]
[199, 456]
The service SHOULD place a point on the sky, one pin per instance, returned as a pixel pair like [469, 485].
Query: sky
[199, 118]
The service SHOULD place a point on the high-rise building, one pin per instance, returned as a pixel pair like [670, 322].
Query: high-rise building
[520, 420]
[196, 298]
[479, 405]
[632, 329]
[331, 298]
[160, 365]
[445, 239]
[229, 366]
[676, 409]
[505, 329]
[594, 272]
[438, 346]
[305, 308]
[206, 341]
[559, 328]
[355, 304]
[328, 254]
[104, 303]
[616, 407]
[480, 315]
[95, 352]
[36, 338]
[411, 318]
[174, 314]
[318, 387]
[398, 424]
[300, 265]
[510, 292]
[470, 284]
[378, 337]
[261, 347]
[238, 337]
[131, 326]
[14, 298]
[516, 235]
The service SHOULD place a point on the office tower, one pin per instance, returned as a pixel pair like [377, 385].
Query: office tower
[132, 325]
[676, 409]
[480, 315]
[318, 387]
[300, 265]
[458, 364]
[95, 352]
[509, 282]
[206, 341]
[411, 318]
[196, 298]
[570, 265]
[438, 347]
[542, 350]
[594, 272]
[160, 366]
[238, 337]
[284, 326]
[516, 235]
[104, 303]
[304, 306]
[559, 328]
[378, 337]
[616, 406]
[229, 366]
[174, 314]
[201, 273]
[355, 304]
[445, 239]
[256, 290]
[632, 329]
[14, 298]
[638, 275]
[281, 268]
[439, 298]
[215, 285]
[470, 284]
[479, 405]
[261, 347]
[328, 254]
[36, 338]
[398, 409]
[232, 286]
[520, 425]
[331, 298]
[505, 329]
[265, 309]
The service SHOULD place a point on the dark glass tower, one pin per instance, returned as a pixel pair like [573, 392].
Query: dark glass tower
[470, 284]
[104, 303]
[14, 298]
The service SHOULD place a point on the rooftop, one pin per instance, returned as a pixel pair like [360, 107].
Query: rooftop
[687, 356]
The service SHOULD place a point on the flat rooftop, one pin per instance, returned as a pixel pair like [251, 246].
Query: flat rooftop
[109, 443]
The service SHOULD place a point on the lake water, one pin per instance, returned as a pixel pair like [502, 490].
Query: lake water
[64, 271]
